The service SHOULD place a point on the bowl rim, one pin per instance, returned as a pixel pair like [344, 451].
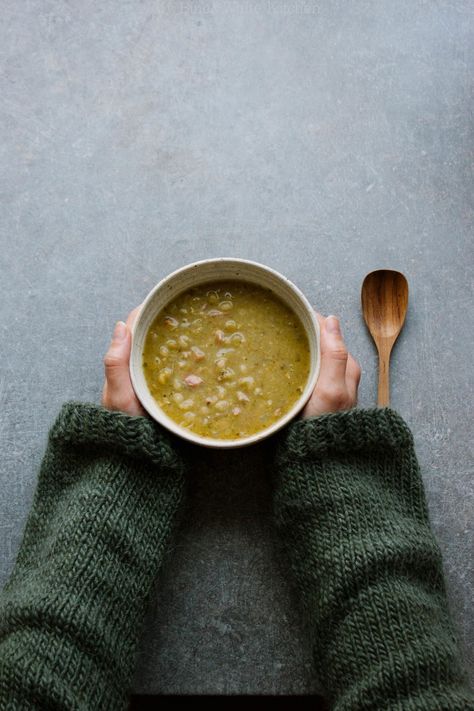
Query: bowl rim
[163, 419]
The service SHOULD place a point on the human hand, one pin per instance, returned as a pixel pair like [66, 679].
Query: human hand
[118, 393]
[339, 376]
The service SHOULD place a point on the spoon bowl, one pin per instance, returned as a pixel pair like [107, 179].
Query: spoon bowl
[384, 305]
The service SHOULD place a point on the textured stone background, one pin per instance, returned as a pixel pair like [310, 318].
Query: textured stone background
[323, 138]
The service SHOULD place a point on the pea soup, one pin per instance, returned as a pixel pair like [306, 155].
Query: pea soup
[226, 359]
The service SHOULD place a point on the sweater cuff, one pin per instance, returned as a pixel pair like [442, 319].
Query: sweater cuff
[344, 432]
[89, 424]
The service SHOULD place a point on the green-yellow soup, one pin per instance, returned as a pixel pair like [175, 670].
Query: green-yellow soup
[226, 359]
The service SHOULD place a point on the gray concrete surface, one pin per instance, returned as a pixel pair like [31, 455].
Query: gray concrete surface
[323, 138]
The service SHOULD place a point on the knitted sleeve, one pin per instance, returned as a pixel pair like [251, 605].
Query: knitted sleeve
[350, 508]
[107, 498]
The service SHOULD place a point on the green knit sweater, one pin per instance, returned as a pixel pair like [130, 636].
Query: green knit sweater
[348, 502]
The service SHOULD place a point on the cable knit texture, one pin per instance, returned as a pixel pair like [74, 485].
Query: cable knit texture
[350, 507]
[107, 499]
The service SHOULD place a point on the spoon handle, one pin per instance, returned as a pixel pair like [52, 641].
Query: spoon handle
[383, 398]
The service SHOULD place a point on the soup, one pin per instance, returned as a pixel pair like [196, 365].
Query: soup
[226, 359]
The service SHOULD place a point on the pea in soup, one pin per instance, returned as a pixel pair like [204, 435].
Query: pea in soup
[226, 359]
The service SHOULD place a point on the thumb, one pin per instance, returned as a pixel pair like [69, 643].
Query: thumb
[333, 352]
[116, 359]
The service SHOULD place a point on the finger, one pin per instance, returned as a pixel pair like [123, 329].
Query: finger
[320, 319]
[116, 360]
[319, 316]
[132, 317]
[353, 373]
[333, 353]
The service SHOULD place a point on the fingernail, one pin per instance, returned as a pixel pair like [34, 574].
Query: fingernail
[120, 331]
[332, 325]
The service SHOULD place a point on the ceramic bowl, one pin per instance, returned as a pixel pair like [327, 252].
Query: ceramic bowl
[212, 270]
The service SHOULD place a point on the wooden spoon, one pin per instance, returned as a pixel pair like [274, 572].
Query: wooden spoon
[384, 304]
